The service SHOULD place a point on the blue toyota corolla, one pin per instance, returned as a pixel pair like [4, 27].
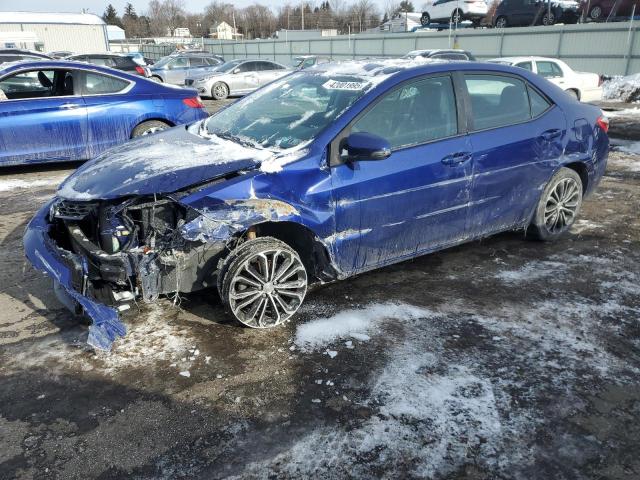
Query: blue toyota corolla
[62, 111]
[316, 177]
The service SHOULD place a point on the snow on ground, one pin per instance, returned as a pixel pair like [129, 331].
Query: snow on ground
[625, 112]
[356, 323]
[9, 184]
[625, 89]
[629, 162]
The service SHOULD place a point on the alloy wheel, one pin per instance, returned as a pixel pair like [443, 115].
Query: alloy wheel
[268, 288]
[501, 22]
[152, 130]
[562, 205]
[220, 90]
[596, 12]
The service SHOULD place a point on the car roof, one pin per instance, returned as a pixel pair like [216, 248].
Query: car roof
[520, 59]
[63, 64]
[21, 51]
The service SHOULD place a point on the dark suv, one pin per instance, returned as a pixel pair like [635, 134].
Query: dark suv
[119, 62]
[17, 55]
[518, 13]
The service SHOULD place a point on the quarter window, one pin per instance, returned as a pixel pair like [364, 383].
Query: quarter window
[96, 84]
[538, 103]
[497, 101]
[549, 69]
[412, 114]
[525, 65]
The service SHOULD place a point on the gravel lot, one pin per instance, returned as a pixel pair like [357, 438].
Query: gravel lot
[496, 359]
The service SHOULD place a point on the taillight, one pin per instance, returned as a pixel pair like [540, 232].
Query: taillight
[603, 123]
[139, 69]
[193, 102]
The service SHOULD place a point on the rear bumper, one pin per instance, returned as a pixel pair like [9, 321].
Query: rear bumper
[591, 95]
[69, 273]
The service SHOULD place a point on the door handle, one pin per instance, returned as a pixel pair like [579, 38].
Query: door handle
[551, 134]
[456, 158]
[69, 106]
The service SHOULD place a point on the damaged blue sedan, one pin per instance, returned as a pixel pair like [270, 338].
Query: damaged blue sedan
[319, 176]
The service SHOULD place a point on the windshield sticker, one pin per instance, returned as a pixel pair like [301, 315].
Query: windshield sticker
[338, 85]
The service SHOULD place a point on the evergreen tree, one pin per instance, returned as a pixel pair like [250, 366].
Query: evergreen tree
[110, 16]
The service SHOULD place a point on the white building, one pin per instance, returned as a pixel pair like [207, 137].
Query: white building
[285, 34]
[223, 31]
[181, 32]
[76, 32]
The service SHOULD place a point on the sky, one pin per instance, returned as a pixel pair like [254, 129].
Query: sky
[98, 6]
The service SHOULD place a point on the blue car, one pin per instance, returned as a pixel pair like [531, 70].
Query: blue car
[319, 176]
[62, 111]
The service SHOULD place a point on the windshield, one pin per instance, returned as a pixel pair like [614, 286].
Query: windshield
[228, 66]
[288, 112]
[163, 61]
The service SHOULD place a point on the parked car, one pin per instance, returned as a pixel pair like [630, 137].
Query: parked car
[440, 53]
[114, 60]
[60, 54]
[19, 55]
[140, 59]
[322, 175]
[586, 87]
[306, 61]
[598, 10]
[61, 111]
[454, 11]
[237, 77]
[516, 13]
[176, 68]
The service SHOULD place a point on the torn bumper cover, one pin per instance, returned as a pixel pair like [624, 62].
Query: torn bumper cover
[69, 272]
[100, 284]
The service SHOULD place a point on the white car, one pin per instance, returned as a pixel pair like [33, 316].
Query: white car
[454, 11]
[586, 87]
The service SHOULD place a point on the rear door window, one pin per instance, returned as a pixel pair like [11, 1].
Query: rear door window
[400, 116]
[496, 100]
[97, 84]
[549, 69]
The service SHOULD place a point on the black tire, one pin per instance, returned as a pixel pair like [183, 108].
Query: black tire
[457, 16]
[548, 19]
[149, 127]
[219, 91]
[156, 78]
[573, 94]
[596, 12]
[502, 22]
[562, 194]
[262, 300]
[425, 20]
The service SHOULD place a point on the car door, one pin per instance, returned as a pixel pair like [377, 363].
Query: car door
[245, 77]
[176, 70]
[112, 114]
[269, 71]
[552, 72]
[441, 10]
[417, 199]
[517, 136]
[43, 119]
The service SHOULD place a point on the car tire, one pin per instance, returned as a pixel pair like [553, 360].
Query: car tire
[148, 128]
[263, 282]
[219, 91]
[501, 22]
[548, 19]
[457, 16]
[558, 207]
[596, 12]
[156, 78]
[425, 19]
[573, 94]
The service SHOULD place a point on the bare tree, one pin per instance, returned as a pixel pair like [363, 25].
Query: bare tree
[165, 16]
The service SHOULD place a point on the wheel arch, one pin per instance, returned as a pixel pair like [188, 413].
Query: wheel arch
[157, 118]
[581, 169]
[576, 90]
[315, 255]
[226, 84]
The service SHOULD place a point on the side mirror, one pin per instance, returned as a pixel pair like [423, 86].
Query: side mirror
[236, 70]
[364, 146]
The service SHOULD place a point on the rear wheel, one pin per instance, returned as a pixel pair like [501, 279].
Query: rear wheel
[573, 94]
[596, 12]
[149, 127]
[501, 22]
[263, 283]
[456, 16]
[156, 78]
[425, 20]
[558, 207]
[548, 18]
[219, 91]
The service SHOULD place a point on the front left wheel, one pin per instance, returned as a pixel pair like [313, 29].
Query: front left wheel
[263, 283]
[558, 206]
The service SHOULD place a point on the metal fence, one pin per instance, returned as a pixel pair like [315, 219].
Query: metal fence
[605, 48]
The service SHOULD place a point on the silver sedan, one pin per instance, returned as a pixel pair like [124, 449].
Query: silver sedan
[237, 77]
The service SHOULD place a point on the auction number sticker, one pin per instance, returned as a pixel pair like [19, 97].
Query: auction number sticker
[338, 85]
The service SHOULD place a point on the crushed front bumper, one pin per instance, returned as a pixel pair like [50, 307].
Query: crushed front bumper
[69, 273]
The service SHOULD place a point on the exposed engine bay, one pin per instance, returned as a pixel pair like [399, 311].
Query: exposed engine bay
[132, 248]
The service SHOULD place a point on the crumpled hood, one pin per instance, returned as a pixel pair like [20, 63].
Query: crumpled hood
[160, 163]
